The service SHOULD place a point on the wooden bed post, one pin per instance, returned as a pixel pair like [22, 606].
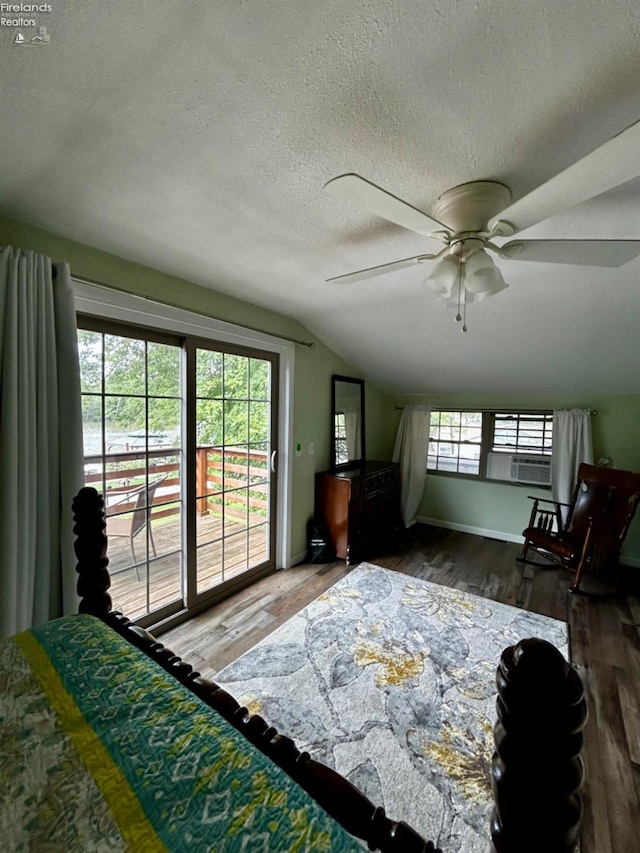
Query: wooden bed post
[537, 770]
[91, 550]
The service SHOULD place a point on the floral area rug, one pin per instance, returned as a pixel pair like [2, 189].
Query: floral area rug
[391, 680]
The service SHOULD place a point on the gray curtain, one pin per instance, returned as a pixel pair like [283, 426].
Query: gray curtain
[572, 444]
[41, 456]
[411, 451]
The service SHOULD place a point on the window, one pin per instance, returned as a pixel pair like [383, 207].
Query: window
[340, 432]
[522, 432]
[455, 442]
[466, 442]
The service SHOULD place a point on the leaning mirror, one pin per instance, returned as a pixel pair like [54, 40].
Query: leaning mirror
[347, 421]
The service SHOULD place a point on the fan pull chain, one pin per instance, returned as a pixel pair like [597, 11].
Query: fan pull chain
[461, 317]
[458, 315]
[464, 309]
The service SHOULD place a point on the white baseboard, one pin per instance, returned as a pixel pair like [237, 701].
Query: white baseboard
[467, 528]
[298, 558]
[499, 534]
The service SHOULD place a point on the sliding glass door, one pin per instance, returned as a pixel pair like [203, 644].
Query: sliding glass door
[179, 436]
[131, 403]
[235, 424]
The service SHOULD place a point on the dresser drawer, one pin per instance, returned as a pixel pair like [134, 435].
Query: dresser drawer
[369, 484]
[388, 479]
[373, 503]
[358, 508]
[387, 501]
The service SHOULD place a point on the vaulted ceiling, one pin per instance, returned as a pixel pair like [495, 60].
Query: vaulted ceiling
[196, 138]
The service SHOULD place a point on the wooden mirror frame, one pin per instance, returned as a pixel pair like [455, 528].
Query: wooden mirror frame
[335, 379]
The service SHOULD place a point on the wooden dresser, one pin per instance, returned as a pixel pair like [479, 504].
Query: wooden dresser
[360, 507]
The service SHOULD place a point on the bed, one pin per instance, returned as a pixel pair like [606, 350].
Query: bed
[112, 742]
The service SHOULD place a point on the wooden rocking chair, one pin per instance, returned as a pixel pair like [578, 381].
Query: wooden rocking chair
[601, 509]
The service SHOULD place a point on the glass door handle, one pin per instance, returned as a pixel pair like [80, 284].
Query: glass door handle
[273, 461]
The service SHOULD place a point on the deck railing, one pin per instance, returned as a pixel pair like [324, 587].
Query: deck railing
[233, 477]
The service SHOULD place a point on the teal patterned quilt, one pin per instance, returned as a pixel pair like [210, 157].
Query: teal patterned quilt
[101, 750]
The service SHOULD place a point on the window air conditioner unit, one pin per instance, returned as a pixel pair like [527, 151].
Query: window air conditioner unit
[534, 470]
[499, 466]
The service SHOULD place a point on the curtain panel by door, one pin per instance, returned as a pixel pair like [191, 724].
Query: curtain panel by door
[40, 440]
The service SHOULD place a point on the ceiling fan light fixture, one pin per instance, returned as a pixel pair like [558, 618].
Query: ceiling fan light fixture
[480, 272]
[482, 276]
[492, 286]
[479, 261]
[444, 276]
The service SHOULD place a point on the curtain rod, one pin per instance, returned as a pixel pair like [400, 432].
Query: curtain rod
[507, 411]
[309, 344]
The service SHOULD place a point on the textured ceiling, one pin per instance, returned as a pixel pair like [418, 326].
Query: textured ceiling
[196, 137]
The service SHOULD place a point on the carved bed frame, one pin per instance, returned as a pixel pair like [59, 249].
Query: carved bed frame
[537, 771]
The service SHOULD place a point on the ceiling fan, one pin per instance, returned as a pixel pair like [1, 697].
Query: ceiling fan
[468, 217]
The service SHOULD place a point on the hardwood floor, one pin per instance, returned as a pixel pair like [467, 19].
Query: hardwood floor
[604, 644]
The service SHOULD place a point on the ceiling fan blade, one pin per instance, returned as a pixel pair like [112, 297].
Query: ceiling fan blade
[382, 269]
[612, 164]
[368, 196]
[588, 253]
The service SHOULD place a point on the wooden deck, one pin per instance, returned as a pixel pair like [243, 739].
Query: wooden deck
[219, 559]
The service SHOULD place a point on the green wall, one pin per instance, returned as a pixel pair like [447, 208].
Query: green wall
[313, 368]
[489, 506]
[505, 508]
